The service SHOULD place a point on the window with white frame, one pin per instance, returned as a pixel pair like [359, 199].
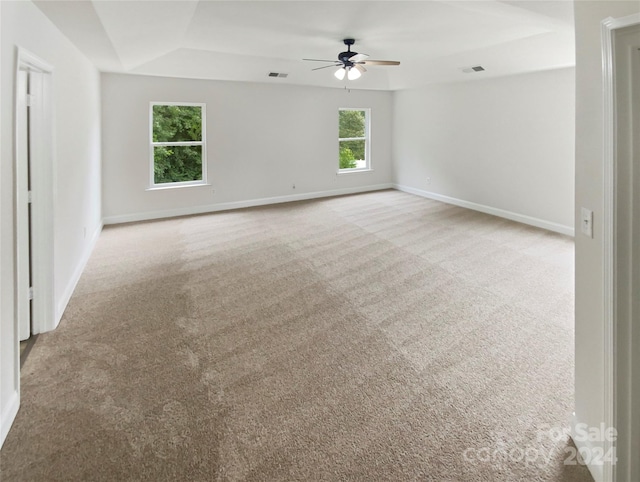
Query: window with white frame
[353, 139]
[177, 144]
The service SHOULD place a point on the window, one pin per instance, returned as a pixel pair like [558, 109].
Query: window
[353, 142]
[177, 145]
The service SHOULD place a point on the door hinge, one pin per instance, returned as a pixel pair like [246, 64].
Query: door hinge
[30, 98]
[29, 196]
[30, 292]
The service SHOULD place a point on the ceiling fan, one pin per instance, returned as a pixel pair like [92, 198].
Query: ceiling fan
[351, 63]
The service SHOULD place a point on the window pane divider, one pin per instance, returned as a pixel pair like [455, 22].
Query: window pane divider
[352, 139]
[178, 143]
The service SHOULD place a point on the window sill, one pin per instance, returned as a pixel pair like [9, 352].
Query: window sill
[176, 186]
[340, 172]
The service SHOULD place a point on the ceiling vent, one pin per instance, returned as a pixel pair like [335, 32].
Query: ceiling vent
[477, 68]
[278, 74]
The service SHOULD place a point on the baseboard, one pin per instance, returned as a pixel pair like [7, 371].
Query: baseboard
[585, 446]
[169, 213]
[8, 416]
[521, 218]
[73, 282]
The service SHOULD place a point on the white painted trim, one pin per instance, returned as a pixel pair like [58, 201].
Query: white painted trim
[610, 242]
[177, 185]
[9, 415]
[77, 273]
[521, 218]
[342, 172]
[584, 446]
[127, 218]
[31, 61]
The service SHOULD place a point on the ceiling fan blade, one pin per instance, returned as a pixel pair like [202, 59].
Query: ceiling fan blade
[326, 66]
[360, 68]
[381, 62]
[358, 57]
[318, 60]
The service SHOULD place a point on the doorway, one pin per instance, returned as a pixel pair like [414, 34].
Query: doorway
[627, 247]
[33, 196]
[621, 249]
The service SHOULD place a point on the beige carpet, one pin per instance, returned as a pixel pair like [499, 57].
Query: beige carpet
[379, 336]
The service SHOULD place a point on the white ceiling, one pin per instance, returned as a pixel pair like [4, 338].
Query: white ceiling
[245, 40]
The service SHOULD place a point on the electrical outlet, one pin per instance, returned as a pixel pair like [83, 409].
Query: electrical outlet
[293, 186]
[586, 222]
[428, 180]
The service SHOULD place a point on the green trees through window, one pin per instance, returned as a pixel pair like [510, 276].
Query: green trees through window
[177, 143]
[352, 133]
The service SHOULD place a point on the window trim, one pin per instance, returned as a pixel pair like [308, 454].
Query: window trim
[203, 143]
[367, 141]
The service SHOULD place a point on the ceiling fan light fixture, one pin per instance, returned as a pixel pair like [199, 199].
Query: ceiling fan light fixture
[353, 74]
[350, 64]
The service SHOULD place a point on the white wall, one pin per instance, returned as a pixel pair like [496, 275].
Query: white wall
[589, 193]
[261, 139]
[505, 143]
[77, 183]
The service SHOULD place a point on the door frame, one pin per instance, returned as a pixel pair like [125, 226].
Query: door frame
[42, 184]
[617, 360]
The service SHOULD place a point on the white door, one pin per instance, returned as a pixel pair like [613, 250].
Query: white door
[34, 181]
[31, 145]
[23, 222]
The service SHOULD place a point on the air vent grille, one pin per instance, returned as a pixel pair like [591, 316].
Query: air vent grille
[477, 68]
[278, 74]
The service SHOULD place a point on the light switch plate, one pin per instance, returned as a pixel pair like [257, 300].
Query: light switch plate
[586, 222]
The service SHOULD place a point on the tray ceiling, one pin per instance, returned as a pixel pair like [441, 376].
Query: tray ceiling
[245, 40]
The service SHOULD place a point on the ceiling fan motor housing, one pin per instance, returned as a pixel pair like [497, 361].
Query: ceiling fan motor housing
[345, 56]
